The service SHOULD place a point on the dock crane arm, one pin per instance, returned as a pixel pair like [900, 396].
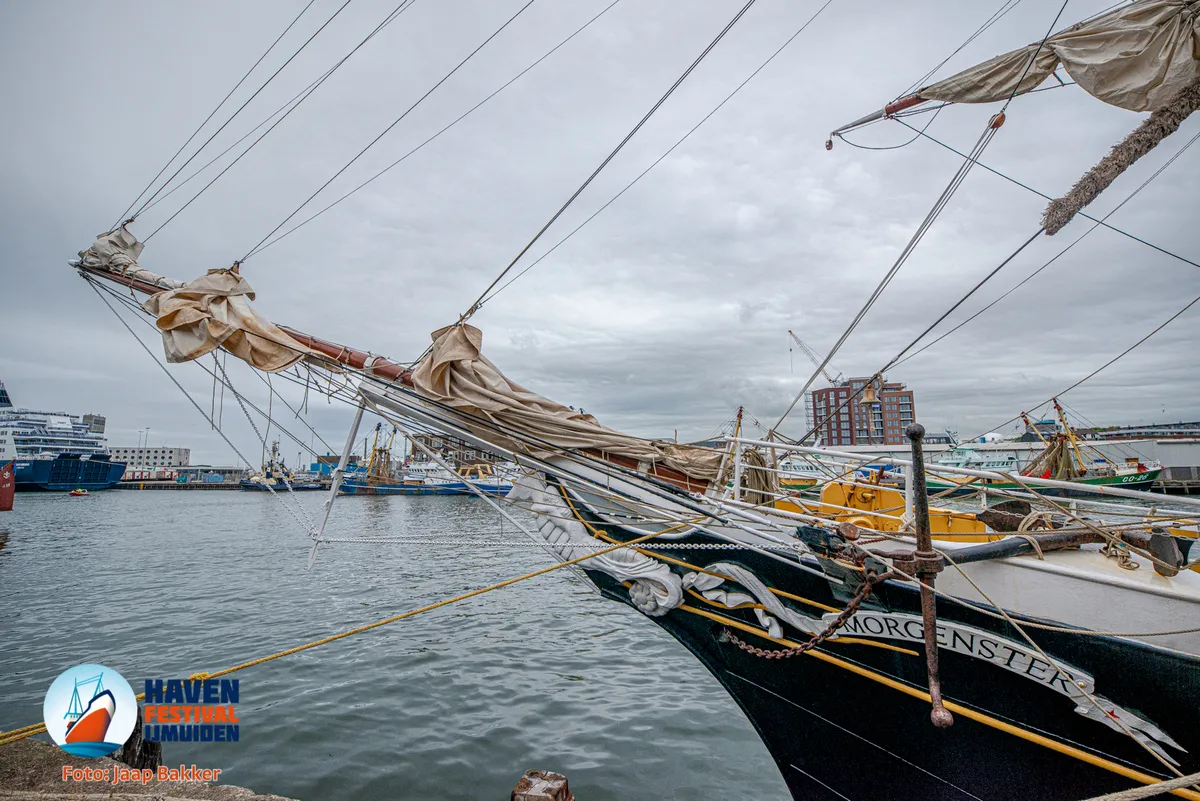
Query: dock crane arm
[813, 357]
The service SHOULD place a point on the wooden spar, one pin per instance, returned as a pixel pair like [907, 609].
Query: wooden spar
[347, 357]
[887, 111]
[391, 371]
[357, 359]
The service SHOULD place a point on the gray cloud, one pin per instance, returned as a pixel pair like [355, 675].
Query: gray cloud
[668, 310]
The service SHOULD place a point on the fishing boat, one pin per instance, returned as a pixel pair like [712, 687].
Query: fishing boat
[427, 477]
[1064, 459]
[78, 493]
[275, 475]
[1057, 663]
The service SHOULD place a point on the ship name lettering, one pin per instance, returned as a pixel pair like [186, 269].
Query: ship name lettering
[972, 642]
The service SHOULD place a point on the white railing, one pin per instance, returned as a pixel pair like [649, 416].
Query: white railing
[933, 467]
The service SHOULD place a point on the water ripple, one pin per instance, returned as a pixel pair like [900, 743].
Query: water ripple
[453, 704]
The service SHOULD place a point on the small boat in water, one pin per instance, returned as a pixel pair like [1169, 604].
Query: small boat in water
[382, 477]
[79, 493]
[276, 475]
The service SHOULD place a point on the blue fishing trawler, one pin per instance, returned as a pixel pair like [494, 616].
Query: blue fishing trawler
[56, 451]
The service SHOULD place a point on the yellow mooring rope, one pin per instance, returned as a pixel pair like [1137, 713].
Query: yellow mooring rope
[39, 728]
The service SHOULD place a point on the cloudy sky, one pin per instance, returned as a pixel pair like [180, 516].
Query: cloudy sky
[670, 308]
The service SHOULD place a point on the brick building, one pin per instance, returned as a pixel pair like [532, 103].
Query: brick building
[853, 423]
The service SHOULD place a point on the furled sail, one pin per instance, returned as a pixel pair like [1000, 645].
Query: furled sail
[199, 316]
[1142, 57]
[117, 251]
[214, 311]
[456, 373]
[1137, 57]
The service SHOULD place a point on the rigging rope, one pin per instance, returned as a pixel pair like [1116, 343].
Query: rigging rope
[678, 81]
[997, 15]
[1025, 186]
[454, 122]
[397, 11]
[191, 400]
[939, 205]
[212, 113]
[656, 162]
[264, 85]
[1096, 224]
[386, 130]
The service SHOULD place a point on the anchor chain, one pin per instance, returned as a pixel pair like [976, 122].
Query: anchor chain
[872, 577]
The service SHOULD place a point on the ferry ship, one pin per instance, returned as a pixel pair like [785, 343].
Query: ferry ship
[56, 451]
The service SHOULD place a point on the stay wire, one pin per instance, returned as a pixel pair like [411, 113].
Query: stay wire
[306, 523]
[1029, 188]
[400, 9]
[658, 160]
[212, 113]
[678, 81]
[1005, 7]
[457, 120]
[215, 422]
[257, 91]
[943, 200]
[387, 130]
[896, 359]
[1062, 252]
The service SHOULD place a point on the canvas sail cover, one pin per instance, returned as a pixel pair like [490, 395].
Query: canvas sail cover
[457, 374]
[1137, 57]
[117, 251]
[214, 311]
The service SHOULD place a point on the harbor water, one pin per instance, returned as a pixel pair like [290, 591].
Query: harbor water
[452, 704]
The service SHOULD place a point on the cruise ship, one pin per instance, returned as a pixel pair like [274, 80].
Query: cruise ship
[57, 451]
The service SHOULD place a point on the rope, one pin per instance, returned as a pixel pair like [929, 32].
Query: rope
[939, 205]
[587, 182]
[264, 85]
[386, 130]
[400, 9]
[38, 728]
[487, 297]
[191, 400]
[1150, 790]
[864, 592]
[1029, 188]
[1096, 224]
[457, 120]
[212, 113]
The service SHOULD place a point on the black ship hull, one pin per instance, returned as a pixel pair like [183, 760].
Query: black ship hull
[851, 720]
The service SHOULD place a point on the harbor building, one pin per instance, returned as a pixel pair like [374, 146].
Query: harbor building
[452, 449]
[140, 460]
[842, 421]
[209, 474]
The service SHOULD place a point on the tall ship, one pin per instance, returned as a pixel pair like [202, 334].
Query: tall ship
[56, 451]
[1056, 661]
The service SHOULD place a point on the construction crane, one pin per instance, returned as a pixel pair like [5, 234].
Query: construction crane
[812, 355]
